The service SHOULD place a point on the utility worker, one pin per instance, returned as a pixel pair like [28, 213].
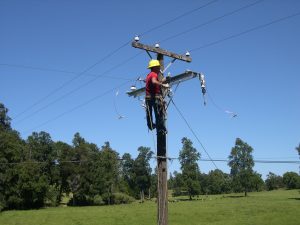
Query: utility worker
[154, 99]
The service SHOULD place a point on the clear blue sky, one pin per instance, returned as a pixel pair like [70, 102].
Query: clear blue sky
[256, 75]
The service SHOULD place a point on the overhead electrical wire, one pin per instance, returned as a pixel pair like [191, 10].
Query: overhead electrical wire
[246, 31]
[76, 89]
[211, 21]
[177, 17]
[79, 106]
[106, 57]
[71, 80]
[61, 71]
[169, 158]
[193, 132]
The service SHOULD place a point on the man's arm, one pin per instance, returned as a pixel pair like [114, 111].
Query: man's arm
[155, 81]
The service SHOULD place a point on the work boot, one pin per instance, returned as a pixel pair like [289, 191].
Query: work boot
[151, 127]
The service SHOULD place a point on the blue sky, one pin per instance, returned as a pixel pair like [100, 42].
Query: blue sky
[254, 74]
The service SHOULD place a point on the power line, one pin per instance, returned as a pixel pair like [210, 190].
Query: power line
[186, 122]
[75, 89]
[79, 106]
[71, 80]
[60, 71]
[155, 157]
[103, 59]
[211, 21]
[178, 17]
[246, 31]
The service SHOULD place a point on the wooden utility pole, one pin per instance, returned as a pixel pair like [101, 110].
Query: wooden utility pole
[162, 173]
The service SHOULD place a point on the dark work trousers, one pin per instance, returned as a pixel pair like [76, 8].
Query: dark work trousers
[155, 104]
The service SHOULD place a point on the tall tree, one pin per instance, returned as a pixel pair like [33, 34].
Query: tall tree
[273, 182]
[298, 150]
[178, 184]
[83, 179]
[41, 149]
[128, 174]
[4, 118]
[188, 157]
[257, 183]
[11, 152]
[142, 170]
[291, 180]
[109, 167]
[218, 182]
[241, 163]
[65, 167]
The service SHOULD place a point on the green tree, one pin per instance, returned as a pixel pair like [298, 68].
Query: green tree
[142, 171]
[128, 177]
[241, 163]
[273, 182]
[11, 154]
[188, 157]
[291, 180]
[218, 182]
[40, 148]
[109, 168]
[84, 178]
[65, 168]
[4, 118]
[178, 184]
[32, 185]
[257, 183]
[298, 150]
[153, 187]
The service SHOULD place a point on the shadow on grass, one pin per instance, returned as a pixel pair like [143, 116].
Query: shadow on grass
[295, 199]
[185, 199]
[235, 196]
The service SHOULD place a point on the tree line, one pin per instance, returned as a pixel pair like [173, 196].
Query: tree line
[39, 172]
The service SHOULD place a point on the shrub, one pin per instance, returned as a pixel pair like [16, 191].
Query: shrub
[98, 200]
[121, 198]
[117, 198]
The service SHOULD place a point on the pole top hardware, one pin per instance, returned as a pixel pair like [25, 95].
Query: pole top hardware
[187, 75]
[158, 50]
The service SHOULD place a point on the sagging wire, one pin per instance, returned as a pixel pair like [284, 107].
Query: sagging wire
[192, 131]
[228, 112]
[119, 116]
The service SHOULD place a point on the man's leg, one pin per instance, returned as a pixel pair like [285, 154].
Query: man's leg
[149, 106]
[159, 114]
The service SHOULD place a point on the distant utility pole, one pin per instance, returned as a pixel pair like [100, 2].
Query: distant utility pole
[162, 200]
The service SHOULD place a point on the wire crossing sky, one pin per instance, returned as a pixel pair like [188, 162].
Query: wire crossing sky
[248, 50]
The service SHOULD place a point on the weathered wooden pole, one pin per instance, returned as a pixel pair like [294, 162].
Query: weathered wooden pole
[162, 187]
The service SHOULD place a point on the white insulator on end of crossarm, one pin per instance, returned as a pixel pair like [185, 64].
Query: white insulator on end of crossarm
[187, 54]
[156, 45]
[136, 38]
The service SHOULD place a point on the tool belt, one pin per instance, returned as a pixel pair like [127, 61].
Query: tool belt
[156, 96]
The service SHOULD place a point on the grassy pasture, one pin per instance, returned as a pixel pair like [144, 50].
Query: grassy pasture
[275, 208]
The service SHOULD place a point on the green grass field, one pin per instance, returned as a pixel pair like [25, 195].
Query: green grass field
[274, 208]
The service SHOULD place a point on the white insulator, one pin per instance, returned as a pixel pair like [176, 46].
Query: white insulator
[202, 76]
[187, 54]
[156, 45]
[136, 38]
[133, 88]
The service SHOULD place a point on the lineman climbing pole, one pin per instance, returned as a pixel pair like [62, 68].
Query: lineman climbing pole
[162, 199]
